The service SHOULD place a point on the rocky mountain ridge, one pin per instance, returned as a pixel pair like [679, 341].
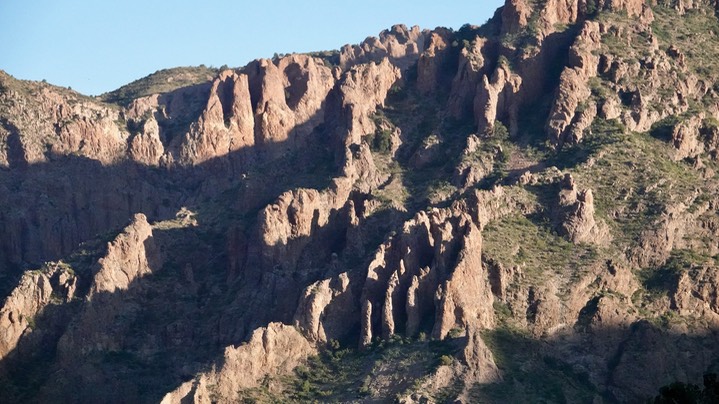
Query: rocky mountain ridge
[524, 210]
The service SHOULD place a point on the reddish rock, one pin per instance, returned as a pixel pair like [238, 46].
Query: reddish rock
[271, 351]
[35, 291]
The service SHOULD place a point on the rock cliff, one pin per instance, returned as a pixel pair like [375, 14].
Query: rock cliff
[53, 284]
[515, 212]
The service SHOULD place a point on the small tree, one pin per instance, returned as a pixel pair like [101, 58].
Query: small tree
[590, 7]
[382, 141]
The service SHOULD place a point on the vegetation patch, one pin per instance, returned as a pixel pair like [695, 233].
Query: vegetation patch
[529, 242]
[162, 81]
[530, 374]
[386, 369]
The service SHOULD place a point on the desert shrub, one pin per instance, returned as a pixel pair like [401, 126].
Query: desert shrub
[445, 360]
[382, 141]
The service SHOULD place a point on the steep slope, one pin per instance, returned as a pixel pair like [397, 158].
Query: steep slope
[518, 212]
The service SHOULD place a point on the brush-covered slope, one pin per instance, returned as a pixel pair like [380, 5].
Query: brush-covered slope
[523, 211]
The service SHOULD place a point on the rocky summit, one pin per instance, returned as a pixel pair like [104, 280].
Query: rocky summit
[521, 211]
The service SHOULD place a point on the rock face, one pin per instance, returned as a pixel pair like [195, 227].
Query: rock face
[493, 100]
[362, 90]
[417, 278]
[35, 291]
[270, 351]
[400, 44]
[227, 123]
[567, 121]
[311, 213]
[128, 258]
[576, 215]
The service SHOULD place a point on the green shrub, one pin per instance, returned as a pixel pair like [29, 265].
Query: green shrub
[364, 389]
[500, 131]
[382, 141]
[455, 333]
[590, 7]
[445, 360]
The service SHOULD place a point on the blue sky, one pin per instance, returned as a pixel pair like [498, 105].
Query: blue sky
[97, 46]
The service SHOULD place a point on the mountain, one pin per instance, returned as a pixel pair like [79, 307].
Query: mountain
[522, 211]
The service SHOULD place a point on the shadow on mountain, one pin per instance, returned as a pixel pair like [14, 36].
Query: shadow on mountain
[212, 288]
[610, 364]
[143, 342]
[52, 207]
[213, 283]
[15, 154]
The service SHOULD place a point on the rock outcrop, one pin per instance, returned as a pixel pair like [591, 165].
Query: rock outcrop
[328, 310]
[494, 100]
[576, 215]
[146, 146]
[361, 90]
[515, 15]
[695, 137]
[227, 123]
[455, 308]
[567, 121]
[418, 278]
[271, 351]
[399, 293]
[664, 235]
[287, 98]
[431, 64]
[682, 6]
[696, 294]
[472, 66]
[401, 45]
[131, 256]
[54, 284]
[49, 120]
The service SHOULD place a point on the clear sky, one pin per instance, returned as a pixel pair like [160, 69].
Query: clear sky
[95, 46]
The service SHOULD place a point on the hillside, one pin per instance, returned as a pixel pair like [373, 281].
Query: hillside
[523, 211]
[162, 81]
